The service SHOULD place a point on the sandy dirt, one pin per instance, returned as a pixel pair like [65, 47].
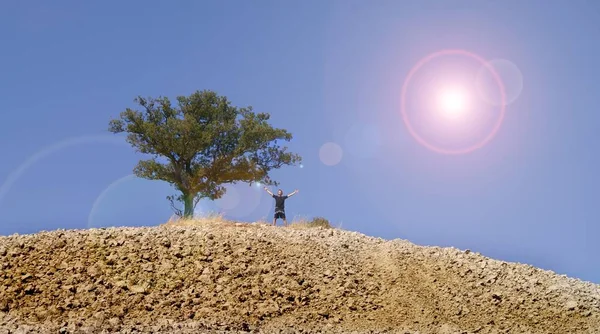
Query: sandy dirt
[235, 278]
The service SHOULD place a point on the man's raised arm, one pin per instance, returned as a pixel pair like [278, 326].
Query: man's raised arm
[269, 191]
[293, 193]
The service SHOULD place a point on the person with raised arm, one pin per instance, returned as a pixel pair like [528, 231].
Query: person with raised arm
[280, 204]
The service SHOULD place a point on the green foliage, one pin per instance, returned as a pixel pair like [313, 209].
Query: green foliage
[320, 222]
[204, 143]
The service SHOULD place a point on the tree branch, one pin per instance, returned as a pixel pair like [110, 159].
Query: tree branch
[176, 210]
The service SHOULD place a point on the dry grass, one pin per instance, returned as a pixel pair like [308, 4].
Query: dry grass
[215, 219]
[207, 219]
[305, 223]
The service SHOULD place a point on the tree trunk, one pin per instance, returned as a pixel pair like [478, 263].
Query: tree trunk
[188, 202]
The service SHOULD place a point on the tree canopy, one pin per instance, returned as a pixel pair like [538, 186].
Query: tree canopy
[205, 142]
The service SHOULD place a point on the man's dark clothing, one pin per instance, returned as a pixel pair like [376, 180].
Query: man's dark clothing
[280, 206]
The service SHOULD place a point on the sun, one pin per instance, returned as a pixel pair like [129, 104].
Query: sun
[453, 102]
[441, 107]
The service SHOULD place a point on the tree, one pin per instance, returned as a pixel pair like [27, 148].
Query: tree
[204, 143]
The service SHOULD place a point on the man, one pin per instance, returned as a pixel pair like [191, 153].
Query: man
[280, 205]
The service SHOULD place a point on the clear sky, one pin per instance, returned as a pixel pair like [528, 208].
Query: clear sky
[329, 72]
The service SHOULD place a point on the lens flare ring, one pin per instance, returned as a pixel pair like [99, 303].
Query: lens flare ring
[423, 62]
[103, 194]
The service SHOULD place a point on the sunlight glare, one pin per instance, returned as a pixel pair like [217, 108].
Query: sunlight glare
[453, 103]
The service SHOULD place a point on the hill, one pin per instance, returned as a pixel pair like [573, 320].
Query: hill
[249, 277]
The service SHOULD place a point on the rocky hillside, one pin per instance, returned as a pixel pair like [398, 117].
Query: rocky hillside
[252, 277]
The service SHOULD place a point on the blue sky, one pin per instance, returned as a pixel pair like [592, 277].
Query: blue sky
[328, 71]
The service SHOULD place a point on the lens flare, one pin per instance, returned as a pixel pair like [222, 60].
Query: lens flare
[453, 102]
[93, 212]
[511, 77]
[330, 154]
[14, 176]
[230, 200]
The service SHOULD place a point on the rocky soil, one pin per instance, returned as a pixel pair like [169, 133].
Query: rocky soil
[234, 278]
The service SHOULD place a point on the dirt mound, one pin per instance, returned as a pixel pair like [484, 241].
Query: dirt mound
[251, 277]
